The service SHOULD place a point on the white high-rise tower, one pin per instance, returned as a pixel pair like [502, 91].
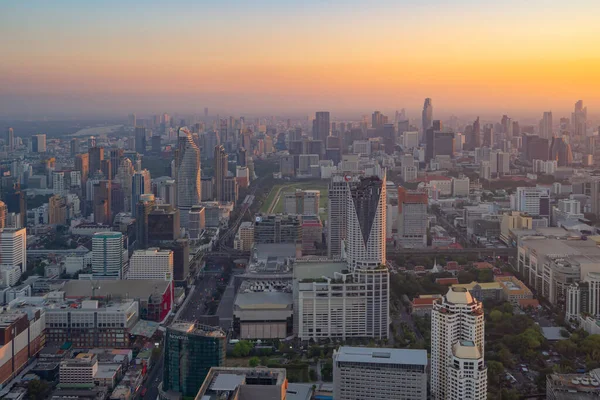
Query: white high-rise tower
[457, 347]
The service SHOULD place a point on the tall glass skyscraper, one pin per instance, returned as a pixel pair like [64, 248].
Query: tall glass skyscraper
[427, 117]
[190, 352]
[187, 165]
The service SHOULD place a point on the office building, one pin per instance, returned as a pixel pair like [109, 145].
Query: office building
[579, 119]
[366, 216]
[457, 347]
[82, 164]
[102, 203]
[460, 187]
[230, 190]
[142, 210]
[412, 218]
[181, 258]
[166, 190]
[95, 157]
[107, 255]
[427, 117]
[14, 199]
[23, 337]
[245, 383]
[560, 151]
[361, 373]
[321, 126]
[188, 173]
[79, 370]
[303, 202]
[74, 147]
[57, 210]
[190, 352]
[141, 183]
[140, 139]
[339, 191]
[197, 222]
[331, 301]
[13, 247]
[278, 228]
[220, 169]
[3, 213]
[38, 143]
[244, 238]
[546, 125]
[9, 140]
[116, 157]
[163, 224]
[532, 200]
[152, 263]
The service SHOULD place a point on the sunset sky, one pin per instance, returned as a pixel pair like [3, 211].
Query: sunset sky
[298, 56]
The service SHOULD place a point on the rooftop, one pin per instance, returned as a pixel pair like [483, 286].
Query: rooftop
[382, 355]
[466, 349]
[196, 329]
[115, 288]
[459, 295]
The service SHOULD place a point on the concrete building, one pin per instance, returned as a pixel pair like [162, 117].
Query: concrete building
[107, 255]
[23, 337]
[13, 247]
[573, 386]
[79, 370]
[244, 383]
[339, 189]
[366, 216]
[514, 290]
[483, 291]
[244, 238]
[457, 347]
[332, 302]
[303, 202]
[567, 211]
[533, 201]
[152, 263]
[460, 187]
[513, 220]
[264, 310]
[412, 218]
[278, 228]
[361, 373]
[197, 222]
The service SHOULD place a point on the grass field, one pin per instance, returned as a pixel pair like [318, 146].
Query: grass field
[276, 194]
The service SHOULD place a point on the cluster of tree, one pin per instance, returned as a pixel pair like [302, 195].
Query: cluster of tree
[242, 348]
[411, 285]
[479, 275]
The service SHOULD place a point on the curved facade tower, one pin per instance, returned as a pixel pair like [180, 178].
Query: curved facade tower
[187, 164]
[366, 217]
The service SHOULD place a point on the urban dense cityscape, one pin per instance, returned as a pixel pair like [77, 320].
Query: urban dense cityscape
[261, 202]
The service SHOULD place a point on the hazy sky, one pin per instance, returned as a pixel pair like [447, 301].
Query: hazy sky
[84, 56]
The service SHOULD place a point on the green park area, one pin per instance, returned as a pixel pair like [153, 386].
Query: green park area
[274, 202]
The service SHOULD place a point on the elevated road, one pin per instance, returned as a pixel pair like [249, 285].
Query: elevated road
[480, 252]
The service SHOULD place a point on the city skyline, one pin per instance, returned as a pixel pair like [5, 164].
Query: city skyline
[91, 59]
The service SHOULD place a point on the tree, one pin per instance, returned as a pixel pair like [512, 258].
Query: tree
[485, 275]
[254, 362]
[242, 348]
[495, 371]
[327, 371]
[496, 316]
[466, 277]
[38, 390]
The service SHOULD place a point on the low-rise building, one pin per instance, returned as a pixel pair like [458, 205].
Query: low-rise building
[244, 383]
[573, 386]
[379, 373]
[514, 290]
[80, 370]
[483, 290]
[423, 304]
[151, 263]
[244, 238]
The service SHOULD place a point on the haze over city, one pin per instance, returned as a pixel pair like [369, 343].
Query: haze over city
[73, 58]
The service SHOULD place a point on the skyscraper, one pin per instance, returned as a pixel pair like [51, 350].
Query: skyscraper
[507, 126]
[427, 117]
[337, 209]
[38, 143]
[140, 184]
[366, 223]
[579, 119]
[13, 247]
[546, 125]
[116, 156]
[321, 126]
[10, 139]
[82, 164]
[476, 134]
[560, 151]
[74, 147]
[107, 255]
[187, 165]
[140, 139]
[220, 169]
[457, 347]
[96, 155]
[3, 212]
[102, 203]
[412, 218]
[142, 209]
